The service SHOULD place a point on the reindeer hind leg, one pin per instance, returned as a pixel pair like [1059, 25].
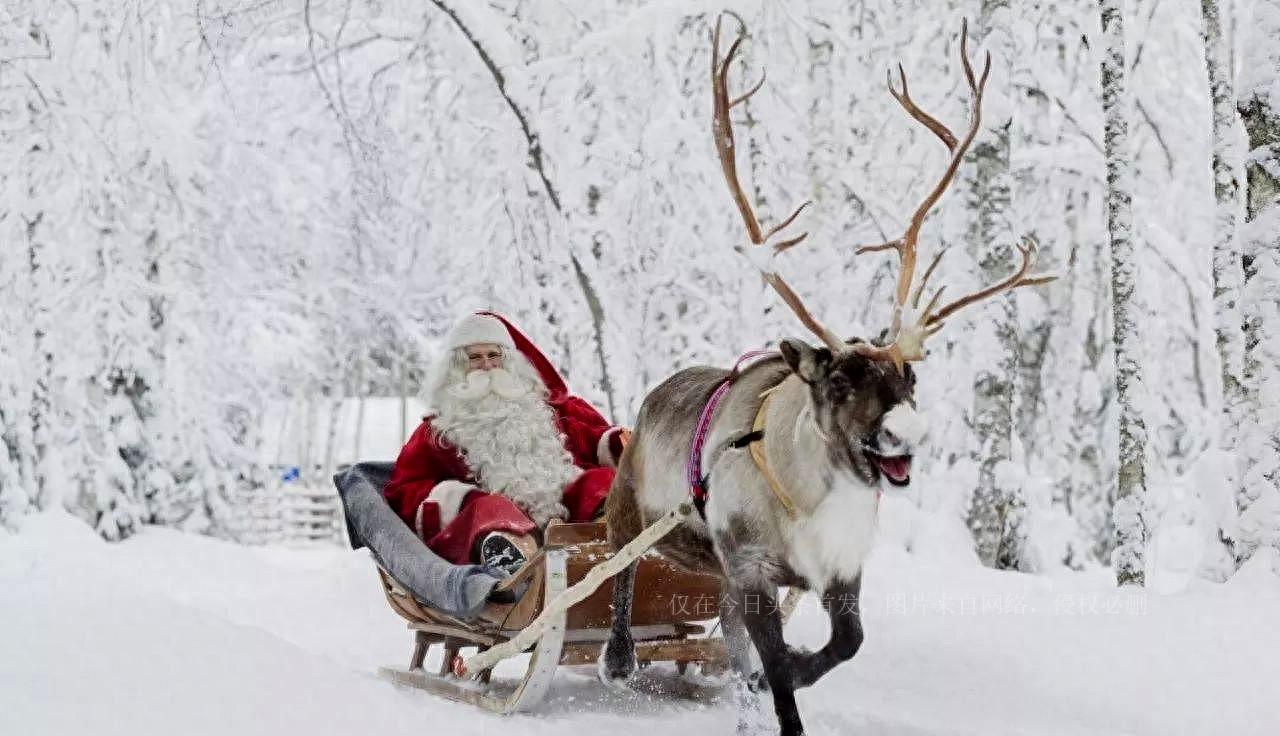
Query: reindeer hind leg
[622, 517]
[618, 660]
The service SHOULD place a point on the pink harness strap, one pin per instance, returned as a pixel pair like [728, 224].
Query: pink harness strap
[693, 469]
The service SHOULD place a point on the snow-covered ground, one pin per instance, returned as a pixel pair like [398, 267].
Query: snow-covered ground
[177, 634]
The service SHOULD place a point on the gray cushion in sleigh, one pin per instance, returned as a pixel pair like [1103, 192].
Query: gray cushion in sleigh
[458, 590]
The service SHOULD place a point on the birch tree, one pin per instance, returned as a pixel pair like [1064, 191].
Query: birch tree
[1129, 556]
[997, 513]
[1227, 268]
[1258, 497]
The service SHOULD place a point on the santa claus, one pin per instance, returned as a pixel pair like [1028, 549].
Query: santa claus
[503, 450]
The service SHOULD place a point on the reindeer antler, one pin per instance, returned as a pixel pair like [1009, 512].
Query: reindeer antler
[908, 339]
[722, 132]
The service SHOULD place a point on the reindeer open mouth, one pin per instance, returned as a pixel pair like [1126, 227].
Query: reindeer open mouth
[897, 469]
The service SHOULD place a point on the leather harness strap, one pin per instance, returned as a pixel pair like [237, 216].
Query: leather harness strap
[756, 448]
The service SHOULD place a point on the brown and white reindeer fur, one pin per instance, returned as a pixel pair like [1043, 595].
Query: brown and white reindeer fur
[840, 420]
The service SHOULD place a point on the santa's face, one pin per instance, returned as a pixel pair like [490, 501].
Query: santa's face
[486, 375]
[484, 356]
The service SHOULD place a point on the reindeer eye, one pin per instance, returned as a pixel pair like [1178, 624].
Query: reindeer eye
[839, 384]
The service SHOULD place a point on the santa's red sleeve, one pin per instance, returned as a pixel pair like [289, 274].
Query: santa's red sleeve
[427, 487]
[589, 436]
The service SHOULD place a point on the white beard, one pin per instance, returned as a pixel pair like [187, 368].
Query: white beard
[507, 435]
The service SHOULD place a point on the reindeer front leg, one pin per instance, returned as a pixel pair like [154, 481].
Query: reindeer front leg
[759, 605]
[842, 603]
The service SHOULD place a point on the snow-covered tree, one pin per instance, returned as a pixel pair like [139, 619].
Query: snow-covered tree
[208, 209]
[1258, 498]
[997, 513]
[15, 449]
[1227, 269]
[18, 489]
[500, 55]
[1130, 510]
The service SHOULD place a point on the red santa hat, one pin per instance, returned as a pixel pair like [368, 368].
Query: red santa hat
[474, 329]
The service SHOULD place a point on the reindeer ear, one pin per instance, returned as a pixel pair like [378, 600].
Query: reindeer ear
[806, 361]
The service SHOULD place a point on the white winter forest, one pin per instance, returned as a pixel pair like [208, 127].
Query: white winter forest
[234, 232]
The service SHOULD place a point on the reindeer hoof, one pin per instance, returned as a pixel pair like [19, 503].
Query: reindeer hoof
[753, 718]
[617, 664]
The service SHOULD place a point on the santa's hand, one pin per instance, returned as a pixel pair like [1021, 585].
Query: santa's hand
[618, 442]
[612, 443]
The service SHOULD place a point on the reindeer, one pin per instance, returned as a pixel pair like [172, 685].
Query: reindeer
[798, 445]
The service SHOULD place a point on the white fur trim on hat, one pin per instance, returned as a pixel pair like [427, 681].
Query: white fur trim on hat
[474, 329]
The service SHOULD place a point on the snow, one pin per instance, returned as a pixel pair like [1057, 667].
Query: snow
[173, 633]
[1257, 72]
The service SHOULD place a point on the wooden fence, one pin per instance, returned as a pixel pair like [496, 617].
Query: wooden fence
[290, 512]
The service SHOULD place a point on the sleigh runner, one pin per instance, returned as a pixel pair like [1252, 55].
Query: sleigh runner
[669, 623]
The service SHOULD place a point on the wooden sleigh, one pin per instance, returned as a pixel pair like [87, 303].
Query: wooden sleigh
[672, 609]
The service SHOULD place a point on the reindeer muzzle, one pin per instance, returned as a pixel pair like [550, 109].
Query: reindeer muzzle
[902, 430]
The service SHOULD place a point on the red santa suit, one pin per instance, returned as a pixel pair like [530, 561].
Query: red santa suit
[434, 490]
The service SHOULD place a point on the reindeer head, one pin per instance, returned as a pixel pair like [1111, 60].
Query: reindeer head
[863, 408]
[863, 394]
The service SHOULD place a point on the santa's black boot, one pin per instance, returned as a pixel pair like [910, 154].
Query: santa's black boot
[500, 553]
